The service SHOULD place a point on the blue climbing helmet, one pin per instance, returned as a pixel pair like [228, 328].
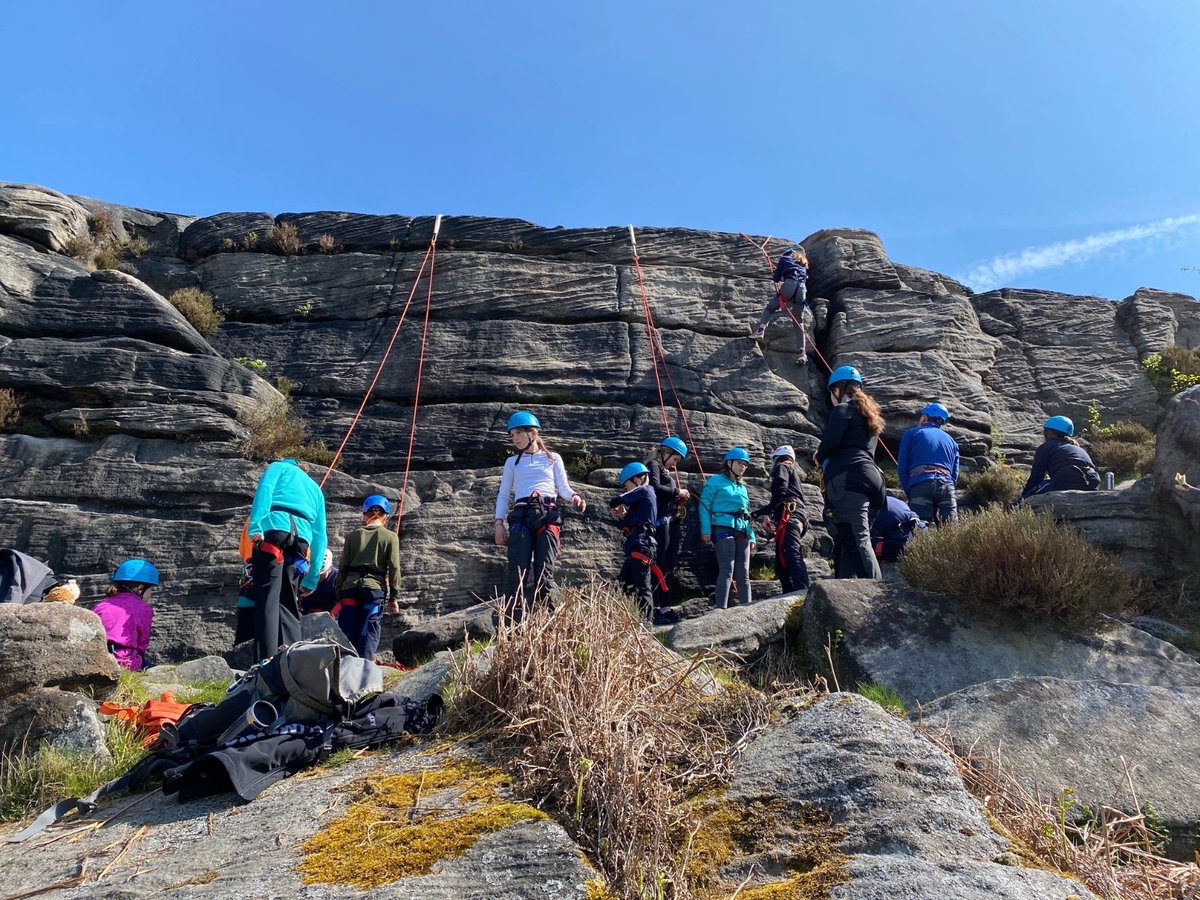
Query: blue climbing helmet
[522, 420]
[737, 453]
[137, 571]
[632, 470]
[377, 500]
[936, 411]
[1060, 423]
[845, 373]
[674, 443]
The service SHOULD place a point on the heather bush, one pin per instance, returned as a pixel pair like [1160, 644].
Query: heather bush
[999, 484]
[1022, 563]
[1172, 370]
[285, 239]
[197, 308]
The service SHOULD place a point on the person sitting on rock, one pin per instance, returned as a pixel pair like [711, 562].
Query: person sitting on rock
[791, 274]
[854, 488]
[725, 524]
[534, 479]
[324, 597]
[928, 467]
[286, 528]
[369, 572]
[892, 529]
[785, 514]
[1060, 464]
[126, 612]
[638, 511]
[671, 500]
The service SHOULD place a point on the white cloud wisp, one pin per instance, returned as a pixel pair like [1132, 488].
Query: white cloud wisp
[1001, 270]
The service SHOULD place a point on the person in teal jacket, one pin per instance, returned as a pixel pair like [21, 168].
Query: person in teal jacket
[725, 523]
[287, 528]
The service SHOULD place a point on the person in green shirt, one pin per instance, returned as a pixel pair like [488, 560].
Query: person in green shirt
[369, 572]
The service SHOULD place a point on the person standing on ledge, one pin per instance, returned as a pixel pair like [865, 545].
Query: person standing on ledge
[790, 278]
[671, 503]
[533, 481]
[928, 467]
[370, 571]
[785, 514]
[638, 511]
[725, 524]
[287, 529]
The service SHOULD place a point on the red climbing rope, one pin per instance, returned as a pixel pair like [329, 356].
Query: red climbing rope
[412, 433]
[657, 352]
[382, 362]
[762, 248]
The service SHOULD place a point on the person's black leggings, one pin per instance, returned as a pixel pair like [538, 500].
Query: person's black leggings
[276, 585]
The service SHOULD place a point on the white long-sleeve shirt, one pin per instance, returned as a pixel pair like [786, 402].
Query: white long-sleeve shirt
[539, 471]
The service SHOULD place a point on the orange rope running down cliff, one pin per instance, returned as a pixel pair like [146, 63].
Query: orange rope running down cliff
[762, 248]
[382, 362]
[657, 351]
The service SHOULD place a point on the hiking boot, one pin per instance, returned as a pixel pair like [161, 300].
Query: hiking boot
[758, 333]
[665, 616]
[802, 359]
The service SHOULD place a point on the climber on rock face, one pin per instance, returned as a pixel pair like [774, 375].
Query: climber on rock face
[1060, 464]
[369, 573]
[928, 467]
[854, 488]
[286, 525]
[126, 612]
[893, 528]
[638, 511]
[725, 523]
[671, 500]
[534, 480]
[791, 274]
[785, 515]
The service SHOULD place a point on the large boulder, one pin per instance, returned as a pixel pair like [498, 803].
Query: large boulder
[54, 645]
[924, 645]
[1118, 745]
[1124, 522]
[894, 802]
[444, 633]
[847, 258]
[1157, 319]
[62, 720]
[746, 631]
[41, 215]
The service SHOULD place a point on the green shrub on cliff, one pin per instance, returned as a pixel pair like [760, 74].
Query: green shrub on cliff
[1173, 370]
[1020, 563]
[998, 484]
[197, 308]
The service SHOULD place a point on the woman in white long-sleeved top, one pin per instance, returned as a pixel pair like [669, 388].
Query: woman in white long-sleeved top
[533, 482]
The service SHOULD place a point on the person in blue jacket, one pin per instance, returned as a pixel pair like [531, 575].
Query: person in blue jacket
[725, 524]
[928, 466]
[287, 529]
[1060, 464]
[638, 511]
[854, 489]
[893, 528]
[790, 278]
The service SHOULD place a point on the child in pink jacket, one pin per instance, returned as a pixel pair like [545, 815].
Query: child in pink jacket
[126, 614]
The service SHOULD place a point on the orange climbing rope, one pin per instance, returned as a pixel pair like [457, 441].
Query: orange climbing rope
[412, 433]
[382, 362]
[762, 248]
[657, 353]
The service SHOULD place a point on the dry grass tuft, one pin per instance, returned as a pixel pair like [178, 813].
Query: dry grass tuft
[285, 239]
[610, 727]
[197, 307]
[1114, 854]
[996, 484]
[327, 243]
[10, 409]
[277, 432]
[1020, 562]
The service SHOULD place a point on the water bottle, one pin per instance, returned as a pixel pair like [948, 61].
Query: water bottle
[1109, 479]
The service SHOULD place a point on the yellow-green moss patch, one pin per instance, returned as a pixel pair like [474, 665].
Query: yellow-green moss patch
[401, 825]
[598, 890]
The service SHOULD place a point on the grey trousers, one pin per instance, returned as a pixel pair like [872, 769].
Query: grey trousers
[793, 293]
[733, 561]
[853, 556]
[934, 501]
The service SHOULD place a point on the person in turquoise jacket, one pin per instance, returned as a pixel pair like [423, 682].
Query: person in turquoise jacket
[725, 523]
[287, 528]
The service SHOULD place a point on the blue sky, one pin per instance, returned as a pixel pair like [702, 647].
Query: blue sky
[1022, 143]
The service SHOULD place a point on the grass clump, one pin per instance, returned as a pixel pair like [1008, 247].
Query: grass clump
[609, 727]
[276, 432]
[33, 778]
[327, 243]
[999, 484]
[581, 464]
[402, 825]
[1020, 563]
[10, 409]
[884, 696]
[285, 239]
[197, 307]
[1172, 370]
[1124, 448]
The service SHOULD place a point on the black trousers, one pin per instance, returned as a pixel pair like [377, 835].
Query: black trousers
[668, 537]
[790, 567]
[276, 585]
[533, 542]
[635, 575]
